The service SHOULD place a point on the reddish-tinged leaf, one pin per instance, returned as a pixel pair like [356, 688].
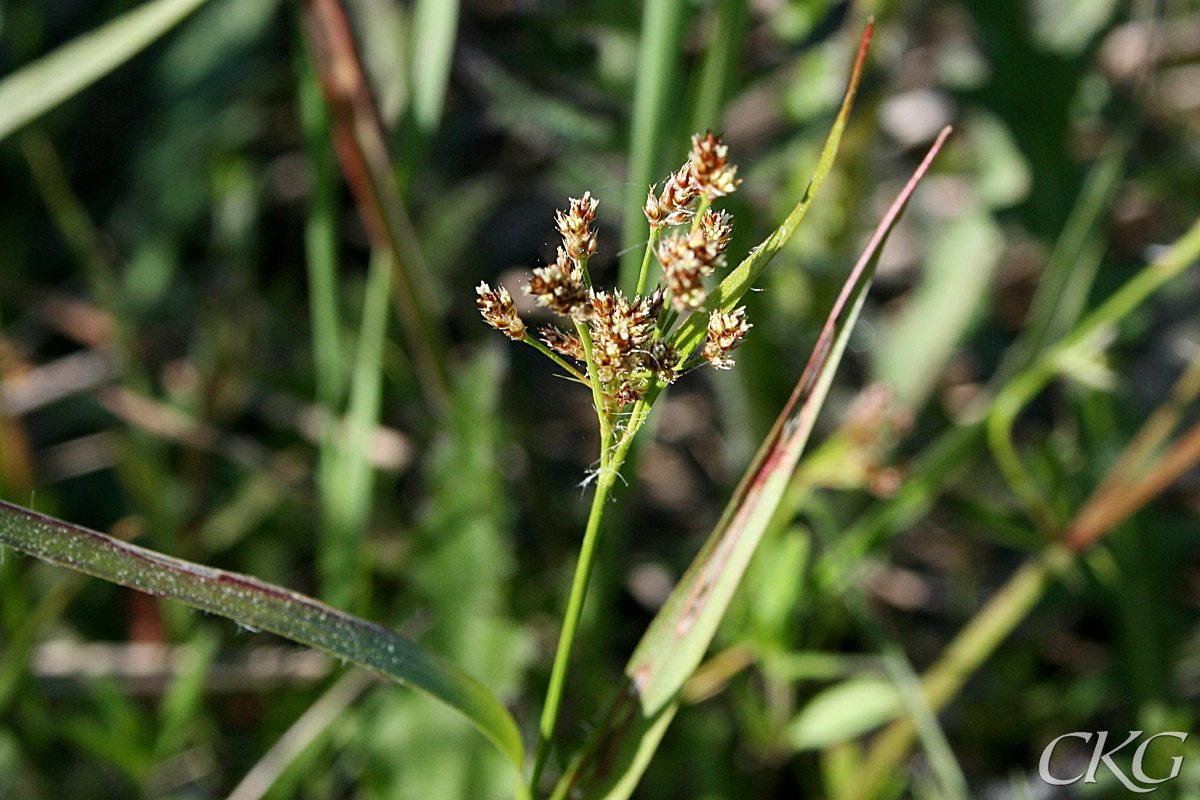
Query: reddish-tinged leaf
[621, 747]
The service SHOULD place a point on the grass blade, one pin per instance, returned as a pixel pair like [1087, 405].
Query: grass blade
[679, 635]
[40, 86]
[739, 281]
[361, 144]
[658, 61]
[435, 23]
[262, 606]
[347, 476]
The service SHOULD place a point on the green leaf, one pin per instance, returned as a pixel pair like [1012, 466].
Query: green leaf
[618, 751]
[739, 281]
[263, 606]
[843, 712]
[40, 86]
[657, 66]
[435, 24]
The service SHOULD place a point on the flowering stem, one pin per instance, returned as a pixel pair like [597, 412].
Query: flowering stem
[705, 202]
[553, 356]
[579, 584]
[655, 230]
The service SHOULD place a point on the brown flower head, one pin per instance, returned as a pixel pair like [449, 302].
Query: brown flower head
[575, 226]
[687, 259]
[497, 308]
[715, 176]
[725, 332]
[560, 287]
[717, 226]
[621, 331]
[629, 393]
[674, 205]
[662, 360]
[563, 343]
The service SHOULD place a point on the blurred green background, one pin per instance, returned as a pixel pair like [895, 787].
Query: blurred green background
[185, 302]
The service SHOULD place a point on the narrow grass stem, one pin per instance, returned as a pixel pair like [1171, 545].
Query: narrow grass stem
[1007, 405]
[655, 232]
[579, 584]
[701, 209]
[597, 393]
[556, 358]
[1028, 384]
[994, 622]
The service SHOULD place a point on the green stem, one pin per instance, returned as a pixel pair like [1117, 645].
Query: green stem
[973, 645]
[1028, 384]
[655, 231]
[658, 62]
[579, 585]
[553, 356]
[597, 393]
[701, 209]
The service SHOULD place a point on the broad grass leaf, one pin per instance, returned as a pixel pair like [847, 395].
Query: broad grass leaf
[41, 85]
[263, 606]
[844, 712]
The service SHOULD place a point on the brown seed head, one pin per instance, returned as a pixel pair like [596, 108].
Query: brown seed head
[560, 287]
[621, 332]
[653, 211]
[687, 259]
[575, 227]
[563, 343]
[725, 332]
[629, 393]
[497, 308]
[662, 360]
[717, 226]
[710, 164]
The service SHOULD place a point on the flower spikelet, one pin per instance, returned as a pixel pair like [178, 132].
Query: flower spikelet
[629, 392]
[560, 287]
[725, 332]
[563, 343]
[575, 226]
[717, 226]
[497, 308]
[674, 205]
[662, 360]
[687, 259]
[710, 164]
[621, 331]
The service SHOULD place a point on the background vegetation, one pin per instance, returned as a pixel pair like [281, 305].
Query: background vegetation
[186, 297]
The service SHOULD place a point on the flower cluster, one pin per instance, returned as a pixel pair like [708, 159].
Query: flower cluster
[623, 344]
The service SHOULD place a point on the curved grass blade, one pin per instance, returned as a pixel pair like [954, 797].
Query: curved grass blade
[262, 606]
[739, 281]
[619, 750]
[41, 85]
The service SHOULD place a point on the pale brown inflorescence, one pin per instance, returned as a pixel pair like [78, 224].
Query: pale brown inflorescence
[560, 287]
[621, 333]
[674, 205]
[497, 308]
[687, 259]
[563, 343]
[579, 238]
[715, 176]
[717, 226]
[725, 332]
[622, 340]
